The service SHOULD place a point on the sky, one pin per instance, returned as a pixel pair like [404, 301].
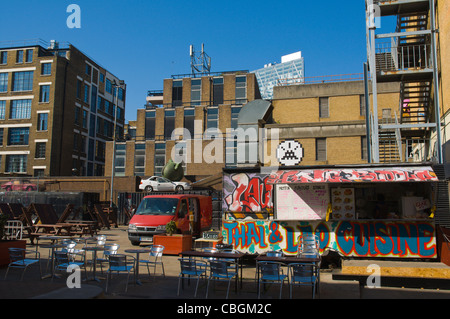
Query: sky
[145, 42]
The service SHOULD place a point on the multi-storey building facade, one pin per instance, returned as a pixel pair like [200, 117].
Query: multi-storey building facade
[57, 110]
[182, 119]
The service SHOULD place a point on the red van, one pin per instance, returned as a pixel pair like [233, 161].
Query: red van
[191, 213]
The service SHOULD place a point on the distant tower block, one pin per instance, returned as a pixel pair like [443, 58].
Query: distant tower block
[200, 62]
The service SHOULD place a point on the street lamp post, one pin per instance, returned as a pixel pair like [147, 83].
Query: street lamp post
[113, 164]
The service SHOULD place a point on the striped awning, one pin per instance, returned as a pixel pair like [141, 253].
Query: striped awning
[354, 175]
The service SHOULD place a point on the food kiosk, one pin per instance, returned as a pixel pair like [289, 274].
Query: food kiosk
[366, 211]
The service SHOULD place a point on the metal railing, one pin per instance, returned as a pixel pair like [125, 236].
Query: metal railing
[392, 57]
[321, 79]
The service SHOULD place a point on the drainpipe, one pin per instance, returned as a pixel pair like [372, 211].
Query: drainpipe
[367, 102]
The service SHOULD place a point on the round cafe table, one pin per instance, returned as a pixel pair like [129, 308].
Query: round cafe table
[94, 250]
[52, 247]
[136, 267]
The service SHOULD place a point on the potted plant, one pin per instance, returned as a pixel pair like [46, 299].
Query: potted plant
[171, 228]
[7, 243]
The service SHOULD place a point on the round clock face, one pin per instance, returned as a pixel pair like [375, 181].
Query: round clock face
[289, 153]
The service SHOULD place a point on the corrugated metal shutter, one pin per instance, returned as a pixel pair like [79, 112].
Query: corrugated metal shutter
[442, 214]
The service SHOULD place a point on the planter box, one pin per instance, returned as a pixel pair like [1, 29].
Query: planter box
[174, 244]
[4, 245]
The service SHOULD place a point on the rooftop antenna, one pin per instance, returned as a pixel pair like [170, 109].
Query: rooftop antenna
[200, 62]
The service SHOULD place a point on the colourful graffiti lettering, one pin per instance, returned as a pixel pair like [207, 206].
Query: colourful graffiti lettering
[247, 193]
[351, 238]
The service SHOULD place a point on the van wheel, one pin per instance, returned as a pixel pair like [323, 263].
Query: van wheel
[148, 189]
[135, 243]
[179, 189]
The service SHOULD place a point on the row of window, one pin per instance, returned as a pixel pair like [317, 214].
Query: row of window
[21, 109]
[22, 80]
[21, 56]
[17, 136]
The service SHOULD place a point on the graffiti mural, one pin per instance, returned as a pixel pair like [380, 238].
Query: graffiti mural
[350, 238]
[395, 174]
[246, 192]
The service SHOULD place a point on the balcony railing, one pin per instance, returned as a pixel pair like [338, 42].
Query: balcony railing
[391, 57]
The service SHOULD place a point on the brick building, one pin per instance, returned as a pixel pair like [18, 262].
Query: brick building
[56, 111]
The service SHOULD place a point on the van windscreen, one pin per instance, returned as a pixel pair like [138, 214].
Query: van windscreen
[157, 206]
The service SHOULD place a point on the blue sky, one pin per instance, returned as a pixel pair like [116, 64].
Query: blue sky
[144, 42]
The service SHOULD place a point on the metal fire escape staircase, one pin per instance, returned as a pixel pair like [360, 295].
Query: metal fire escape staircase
[404, 56]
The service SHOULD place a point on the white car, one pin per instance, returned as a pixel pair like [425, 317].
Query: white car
[161, 184]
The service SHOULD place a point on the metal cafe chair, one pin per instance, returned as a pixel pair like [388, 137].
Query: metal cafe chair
[65, 259]
[120, 264]
[191, 268]
[303, 274]
[270, 272]
[154, 259]
[18, 259]
[110, 249]
[219, 271]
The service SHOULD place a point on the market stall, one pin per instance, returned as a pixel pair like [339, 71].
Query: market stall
[364, 211]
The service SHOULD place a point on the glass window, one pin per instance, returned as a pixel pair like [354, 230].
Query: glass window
[22, 81]
[234, 116]
[1, 139]
[212, 120]
[16, 164]
[29, 56]
[85, 115]
[42, 121]
[108, 86]
[160, 158]
[88, 69]
[120, 162]
[139, 159]
[44, 96]
[79, 85]
[4, 57]
[362, 105]
[3, 82]
[364, 147]
[241, 89]
[196, 91]
[177, 93]
[86, 94]
[20, 109]
[46, 69]
[169, 123]
[321, 149]
[18, 136]
[19, 56]
[323, 107]
[217, 91]
[40, 150]
[189, 120]
[150, 125]
[2, 109]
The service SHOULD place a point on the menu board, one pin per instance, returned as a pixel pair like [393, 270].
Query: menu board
[343, 203]
[301, 201]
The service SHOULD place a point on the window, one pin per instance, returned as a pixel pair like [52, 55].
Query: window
[86, 94]
[231, 152]
[121, 153]
[169, 123]
[4, 57]
[323, 107]
[40, 150]
[181, 155]
[108, 86]
[212, 119]
[234, 116]
[189, 121]
[88, 69]
[139, 159]
[160, 158]
[364, 147]
[100, 151]
[42, 121]
[1, 138]
[362, 105]
[19, 56]
[217, 91]
[18, 136]
[20, 109]
[102, 78]
[39, 172]
[177, 93]
[196, 91]
[150, 125]
[44, 95]
[2, 109]
[16, 164]
[84, 120]
[241, 89]
[321, 149]
[46, 69]
[22, 81]
[79, 85]
[29, 56]
[3, 82]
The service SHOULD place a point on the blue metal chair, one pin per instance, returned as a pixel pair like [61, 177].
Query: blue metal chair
[303, 274]
[155, 258]
[18, 259]
[220, 271]
[270, 272]
[64, 259]
[120, 264]
[190, 267]
[110, 249]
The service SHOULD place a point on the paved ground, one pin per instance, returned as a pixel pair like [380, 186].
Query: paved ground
[160, 287]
